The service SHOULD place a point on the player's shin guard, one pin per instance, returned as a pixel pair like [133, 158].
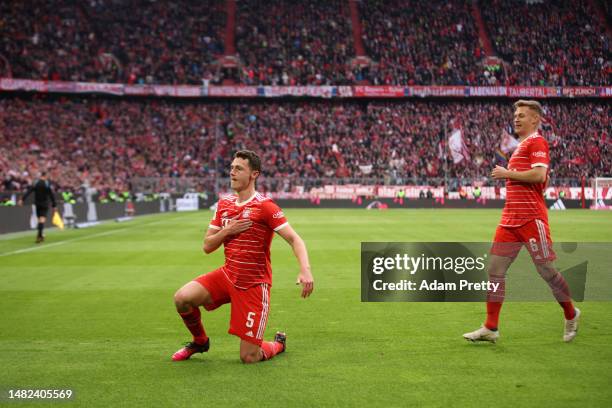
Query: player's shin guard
[561, 292]
[193, 322]
[270, 349]
[495, 300]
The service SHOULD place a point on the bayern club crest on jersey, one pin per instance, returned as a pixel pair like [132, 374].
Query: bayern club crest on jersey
[246, 213]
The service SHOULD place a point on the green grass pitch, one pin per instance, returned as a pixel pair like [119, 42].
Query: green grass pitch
[92, 310]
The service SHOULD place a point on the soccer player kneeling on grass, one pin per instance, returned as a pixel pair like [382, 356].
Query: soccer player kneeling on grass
[524, 222]
[245, 224]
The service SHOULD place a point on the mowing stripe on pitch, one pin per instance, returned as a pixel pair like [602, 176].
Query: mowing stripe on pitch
[21, 251]
[100, 234]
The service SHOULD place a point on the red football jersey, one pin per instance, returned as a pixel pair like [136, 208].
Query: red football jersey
[247, 255]
[525, 201]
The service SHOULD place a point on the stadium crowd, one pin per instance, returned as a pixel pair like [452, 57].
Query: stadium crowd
[163, 42]
[294, 43]
[108, 143]
[279, 42]
[565, 43]
[429, 42]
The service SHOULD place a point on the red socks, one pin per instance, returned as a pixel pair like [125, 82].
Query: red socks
[561, 292]
[493, 309]
[568, 310]
[495, 301]
[193, 322]
[270, 349]
[557, 284]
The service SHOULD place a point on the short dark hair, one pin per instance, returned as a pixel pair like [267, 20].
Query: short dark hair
[251, 157]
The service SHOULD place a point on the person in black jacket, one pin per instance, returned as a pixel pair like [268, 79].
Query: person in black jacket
[43, 193]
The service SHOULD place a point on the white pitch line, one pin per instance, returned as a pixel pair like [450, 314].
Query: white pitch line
[100, 234]
[21, 251]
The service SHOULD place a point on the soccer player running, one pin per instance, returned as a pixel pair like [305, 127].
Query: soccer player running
[245, 224]
[524, 222]
[43, 193]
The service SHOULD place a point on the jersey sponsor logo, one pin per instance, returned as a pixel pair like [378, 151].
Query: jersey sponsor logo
[278, 214]
[539, 154]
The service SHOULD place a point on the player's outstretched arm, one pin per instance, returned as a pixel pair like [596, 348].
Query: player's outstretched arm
[214, 237]
[299, 249]
[535, 175]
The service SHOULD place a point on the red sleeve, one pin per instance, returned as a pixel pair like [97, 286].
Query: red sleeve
[273, 216]
[215, 223]
[538, 153]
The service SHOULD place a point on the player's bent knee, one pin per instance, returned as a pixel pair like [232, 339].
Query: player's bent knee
[184, 299]
[249, 352]
[191, 295]
[496, 272]
[547, 271]
[498, 266]
[251, 357]
[181, 300]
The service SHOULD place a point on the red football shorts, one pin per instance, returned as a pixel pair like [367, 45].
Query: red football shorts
[535, 236]
[250, 307]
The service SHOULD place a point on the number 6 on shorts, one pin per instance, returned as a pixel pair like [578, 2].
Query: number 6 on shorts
[533, 243]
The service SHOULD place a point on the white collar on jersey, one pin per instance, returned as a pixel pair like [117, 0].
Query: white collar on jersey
[530, 136]
[247, 201]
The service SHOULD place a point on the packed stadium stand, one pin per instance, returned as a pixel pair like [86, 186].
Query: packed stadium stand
[552, 42]
[295, 43]
[170, 42]
[110, 142]
[447, 52]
